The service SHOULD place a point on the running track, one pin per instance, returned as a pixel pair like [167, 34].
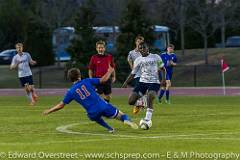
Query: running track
[178, 91]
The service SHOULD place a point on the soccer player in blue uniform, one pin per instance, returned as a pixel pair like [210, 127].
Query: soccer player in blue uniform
[170, 60]
[83, 92]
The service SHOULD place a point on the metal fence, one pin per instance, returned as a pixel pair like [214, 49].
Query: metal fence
[184, 76]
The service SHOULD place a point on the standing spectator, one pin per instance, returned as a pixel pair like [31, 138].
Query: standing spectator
[21, 61]
[98, 66]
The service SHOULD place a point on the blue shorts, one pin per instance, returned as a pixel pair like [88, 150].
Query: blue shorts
[26, 80]
[109, 111]
[142, 88]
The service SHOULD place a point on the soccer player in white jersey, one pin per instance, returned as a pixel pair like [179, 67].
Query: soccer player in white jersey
[132, 56]
[149, 66]
[21, 61]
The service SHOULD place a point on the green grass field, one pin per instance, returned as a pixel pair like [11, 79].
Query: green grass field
[199, 124]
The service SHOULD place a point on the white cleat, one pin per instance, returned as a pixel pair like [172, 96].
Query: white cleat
[131, 124]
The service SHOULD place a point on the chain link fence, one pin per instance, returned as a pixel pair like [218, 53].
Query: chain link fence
[184, 76]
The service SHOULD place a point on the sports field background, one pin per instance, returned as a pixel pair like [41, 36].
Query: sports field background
[191, 123]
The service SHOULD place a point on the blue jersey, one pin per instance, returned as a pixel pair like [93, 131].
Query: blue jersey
[84, 93]
[166, 60]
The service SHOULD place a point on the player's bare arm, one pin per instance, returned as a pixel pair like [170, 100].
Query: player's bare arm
[14, 66]
[113, 76]
[59, 106]
[129, 79]
[32, 62]
[130, 62]
[107, 75]
[173, 64]
[90, 73]
[164, 73]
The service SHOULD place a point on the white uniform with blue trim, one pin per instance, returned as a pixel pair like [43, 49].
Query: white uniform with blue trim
[23, 67]
[148, 67]
[132, 56]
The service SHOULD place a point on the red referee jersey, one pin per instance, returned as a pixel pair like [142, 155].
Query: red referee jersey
[99, 64]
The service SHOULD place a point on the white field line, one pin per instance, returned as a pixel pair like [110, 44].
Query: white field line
[114, 137]
[65, 129]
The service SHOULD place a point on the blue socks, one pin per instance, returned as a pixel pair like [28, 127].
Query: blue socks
[161, 94]
[167, 95]
[103, 123]
[124, 117]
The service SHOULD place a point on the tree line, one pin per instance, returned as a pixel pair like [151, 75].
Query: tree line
[193, 23]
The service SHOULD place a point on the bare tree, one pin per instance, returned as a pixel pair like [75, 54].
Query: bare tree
[227, 12]
[172, 13]
[109, 11]
[203, 20]
[59, 13]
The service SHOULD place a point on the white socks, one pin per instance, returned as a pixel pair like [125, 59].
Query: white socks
[148, 116]
[29, 95]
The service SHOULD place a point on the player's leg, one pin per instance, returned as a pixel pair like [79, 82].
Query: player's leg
[24, 84]
[141, 102]
[137, 93]
[161, 93]
[97, 118]
[99, 90]
[126, 120]
[162, 90]
[151, 94]
[107, 90]
[101, 122]
[168, 85]
[29, 94]
[31, 89]
[113, 112]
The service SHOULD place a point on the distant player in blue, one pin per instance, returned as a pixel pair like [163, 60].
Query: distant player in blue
[83, 92]
[170, 60]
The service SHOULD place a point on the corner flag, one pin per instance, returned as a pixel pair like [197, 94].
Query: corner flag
[224, 68]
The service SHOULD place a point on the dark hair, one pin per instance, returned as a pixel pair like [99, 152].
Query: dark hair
[171, 45]
[142, 45]
[74, 74]
[19, 44]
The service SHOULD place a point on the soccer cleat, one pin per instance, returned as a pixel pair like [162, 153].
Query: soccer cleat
[136, 109]
[131, 124]
[111, 131]
[159, 100]
[32, 103]
[167, 102]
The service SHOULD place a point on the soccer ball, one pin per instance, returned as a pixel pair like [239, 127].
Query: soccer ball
[144, 124]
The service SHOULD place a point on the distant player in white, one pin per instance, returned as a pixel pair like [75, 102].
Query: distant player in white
[132, 56]
[149, 66]
[21, 61]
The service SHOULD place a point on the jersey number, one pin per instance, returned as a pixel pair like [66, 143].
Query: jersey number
[84, 93]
